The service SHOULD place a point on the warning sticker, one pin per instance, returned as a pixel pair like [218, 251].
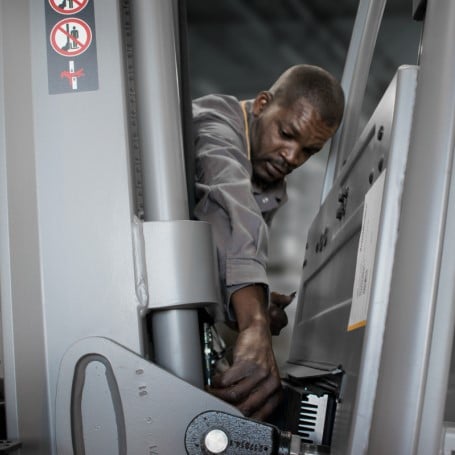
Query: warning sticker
[365, 255]
[68, 6]
[71, 37]
[72, 74]
[71, 46]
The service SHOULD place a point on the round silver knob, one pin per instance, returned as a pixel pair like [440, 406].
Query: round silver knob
[216, 441]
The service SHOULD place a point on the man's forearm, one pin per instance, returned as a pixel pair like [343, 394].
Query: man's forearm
[250, 306]
[252, 383]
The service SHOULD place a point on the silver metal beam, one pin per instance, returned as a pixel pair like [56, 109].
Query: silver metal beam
[382, 275]
[20, 278]
[158, 104]
[165, 192]
[408, 414]
[354, 82]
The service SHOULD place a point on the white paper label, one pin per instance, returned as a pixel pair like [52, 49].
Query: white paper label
[365, 254]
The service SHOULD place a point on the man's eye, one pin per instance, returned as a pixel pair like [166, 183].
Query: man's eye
[285, 134]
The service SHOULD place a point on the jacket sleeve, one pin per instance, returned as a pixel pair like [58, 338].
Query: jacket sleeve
[225, 199]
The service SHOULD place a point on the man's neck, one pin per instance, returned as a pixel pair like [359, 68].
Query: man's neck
[261, 185]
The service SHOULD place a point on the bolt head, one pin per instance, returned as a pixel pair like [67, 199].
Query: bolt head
[216, 441]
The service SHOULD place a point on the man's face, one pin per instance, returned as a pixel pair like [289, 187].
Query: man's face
[283, 138]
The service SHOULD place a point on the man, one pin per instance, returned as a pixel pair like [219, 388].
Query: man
[244, 150]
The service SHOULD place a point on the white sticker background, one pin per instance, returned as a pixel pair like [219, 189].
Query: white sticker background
[366, 254]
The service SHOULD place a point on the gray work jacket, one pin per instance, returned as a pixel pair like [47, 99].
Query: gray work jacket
[238, 211]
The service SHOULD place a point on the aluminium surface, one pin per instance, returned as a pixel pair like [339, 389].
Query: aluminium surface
[415, 365]
[320, 337]
[354, 82]
[69, 262]
[67, 257]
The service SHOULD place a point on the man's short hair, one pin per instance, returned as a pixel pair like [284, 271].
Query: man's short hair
[320, 88]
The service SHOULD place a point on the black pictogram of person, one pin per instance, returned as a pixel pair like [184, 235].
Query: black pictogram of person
[75, 36]
[65, 3]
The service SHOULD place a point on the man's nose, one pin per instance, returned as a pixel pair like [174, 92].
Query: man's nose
[292, 156]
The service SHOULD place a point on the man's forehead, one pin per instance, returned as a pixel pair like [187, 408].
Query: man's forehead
[302, 117]
[302, 105]
[299, 112]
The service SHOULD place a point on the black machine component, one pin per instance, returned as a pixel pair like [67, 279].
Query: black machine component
[309, 405]
[7, 446]
[215, 432]
[218, 432]
[214, 350]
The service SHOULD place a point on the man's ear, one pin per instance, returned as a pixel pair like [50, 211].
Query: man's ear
[261, 102]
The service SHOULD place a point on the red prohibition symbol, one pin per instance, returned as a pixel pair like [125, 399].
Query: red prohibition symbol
[71, 37]
[68, 6]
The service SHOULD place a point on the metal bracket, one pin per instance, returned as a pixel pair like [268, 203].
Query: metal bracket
[110, 400]
[176, 264]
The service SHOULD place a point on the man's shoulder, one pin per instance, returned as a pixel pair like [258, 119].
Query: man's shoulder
[216, 100]
[218, 106]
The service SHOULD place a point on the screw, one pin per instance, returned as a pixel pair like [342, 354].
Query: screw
[371, 177]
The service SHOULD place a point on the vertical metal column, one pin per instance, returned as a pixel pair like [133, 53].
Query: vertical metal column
[412, 383]
[354, 82]
[403, 108]
[175, 332]
[20, 275]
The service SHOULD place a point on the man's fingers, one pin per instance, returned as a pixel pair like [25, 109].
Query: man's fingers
[253, 378]
[282, 300]
[234, 385]
[278, 320]
[234, 394]
[260, 397]
[252, 398]
[268, 407]
[236, 373]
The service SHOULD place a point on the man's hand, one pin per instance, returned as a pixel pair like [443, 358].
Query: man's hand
[277, 315]
[252, 383]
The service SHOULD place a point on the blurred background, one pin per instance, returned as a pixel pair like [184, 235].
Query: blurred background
[239, 47]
